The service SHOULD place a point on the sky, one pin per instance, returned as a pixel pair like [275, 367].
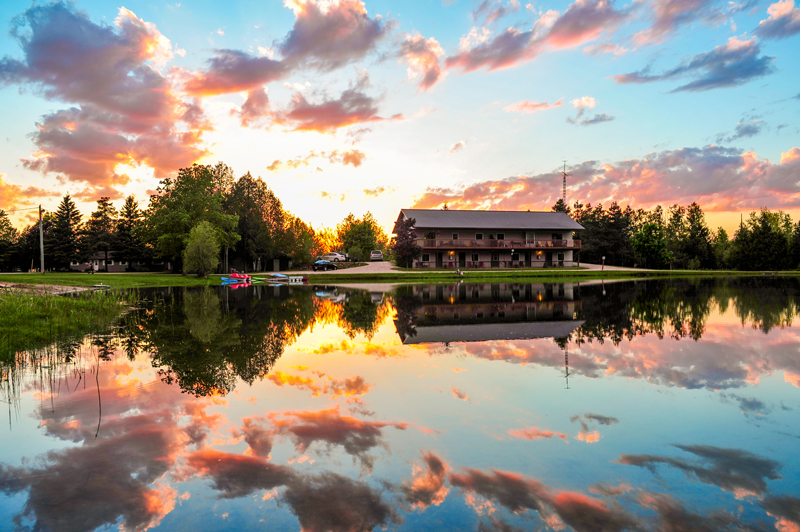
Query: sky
[344, 106]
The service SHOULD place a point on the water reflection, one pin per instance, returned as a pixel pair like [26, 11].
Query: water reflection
[328, 408]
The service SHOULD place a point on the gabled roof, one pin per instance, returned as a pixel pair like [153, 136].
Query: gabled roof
[454, 219]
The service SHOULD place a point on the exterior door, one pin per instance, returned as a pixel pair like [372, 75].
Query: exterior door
[495, 260]
[548, 259]
[527, 259]
[439, 260]
[462, 260]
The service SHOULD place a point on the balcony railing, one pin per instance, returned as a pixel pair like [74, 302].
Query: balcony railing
[504, 264]
[510, 244]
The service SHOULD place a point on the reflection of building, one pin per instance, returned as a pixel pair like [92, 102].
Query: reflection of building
[481, 312]
[493, 239]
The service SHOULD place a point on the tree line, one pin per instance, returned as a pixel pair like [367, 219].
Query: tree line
[679, 238]
[202, 219]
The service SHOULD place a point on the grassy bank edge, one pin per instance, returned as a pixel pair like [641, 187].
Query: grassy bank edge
[146, 280]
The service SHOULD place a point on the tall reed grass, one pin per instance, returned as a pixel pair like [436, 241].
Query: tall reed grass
[30, 320]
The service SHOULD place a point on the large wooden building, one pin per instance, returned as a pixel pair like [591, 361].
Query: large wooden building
[494, 239]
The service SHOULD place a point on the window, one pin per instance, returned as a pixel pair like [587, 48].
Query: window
[426, 257]
[501, 236]
[478, 236]
[495, 256]
[455, 236]
[515, 256]
[430, 236]
[560, 256]
[557, 236]
[475, 257]
[479, 315]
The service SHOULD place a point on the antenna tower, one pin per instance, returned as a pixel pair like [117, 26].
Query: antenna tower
[564, 173]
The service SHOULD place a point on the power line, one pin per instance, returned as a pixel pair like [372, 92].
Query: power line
[19, 210]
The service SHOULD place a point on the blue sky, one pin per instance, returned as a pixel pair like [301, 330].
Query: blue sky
[344, 106]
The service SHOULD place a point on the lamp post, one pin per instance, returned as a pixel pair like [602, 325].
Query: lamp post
[603, 266]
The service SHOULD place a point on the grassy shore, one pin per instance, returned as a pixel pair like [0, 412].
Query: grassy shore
[114, 280]
[539, 275]
[33, 320]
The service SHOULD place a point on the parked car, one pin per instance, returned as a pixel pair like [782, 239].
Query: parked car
[324, 265]
[376, 255]
[334, 257]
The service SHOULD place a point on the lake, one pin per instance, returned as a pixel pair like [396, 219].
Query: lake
[638, 405]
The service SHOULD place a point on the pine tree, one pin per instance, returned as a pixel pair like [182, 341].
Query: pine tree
[405, 244]
[127, 245]
[64, 242]
[99, 230]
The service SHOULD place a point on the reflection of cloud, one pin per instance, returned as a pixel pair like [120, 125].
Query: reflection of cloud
[333, 503]
[674, 516]
[593, 436]
[258, 438]
[458, 394]
[733, 470]
[730, 356]
[785, 509]
[357, 437]
[427, 487]
[535, 433]
[236, 475]
[748, 405]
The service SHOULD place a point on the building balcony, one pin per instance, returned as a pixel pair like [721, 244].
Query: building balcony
[499, 244]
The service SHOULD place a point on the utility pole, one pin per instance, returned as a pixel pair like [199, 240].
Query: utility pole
[564, 173]
[41, 241]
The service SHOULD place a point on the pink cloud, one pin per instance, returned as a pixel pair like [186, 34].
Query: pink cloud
[352, 107]
[328, 35]
[126, 110]
[234, 71]
[783, 21]
[733, 180]
[526, 106]
[422, 56]
[582, 22]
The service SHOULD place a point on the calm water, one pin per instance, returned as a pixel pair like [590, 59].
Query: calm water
[626, 406]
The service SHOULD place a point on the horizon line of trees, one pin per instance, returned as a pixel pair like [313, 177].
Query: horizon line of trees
[204, 215]
[679, 238]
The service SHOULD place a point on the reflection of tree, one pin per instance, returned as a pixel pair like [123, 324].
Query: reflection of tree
[680, 308]
[406, 306]
[204, 343]
[361, 315]
[188, 341]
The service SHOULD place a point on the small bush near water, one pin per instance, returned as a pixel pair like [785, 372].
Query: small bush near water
[33, 320]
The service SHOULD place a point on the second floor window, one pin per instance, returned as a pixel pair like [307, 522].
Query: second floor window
[430, 236]
[478, 236]
[501, 236]
[455, 236]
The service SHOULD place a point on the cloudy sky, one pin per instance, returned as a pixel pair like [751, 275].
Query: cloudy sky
[348, 106]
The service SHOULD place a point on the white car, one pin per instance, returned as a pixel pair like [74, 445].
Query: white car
[334, 257]
[376, 255]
